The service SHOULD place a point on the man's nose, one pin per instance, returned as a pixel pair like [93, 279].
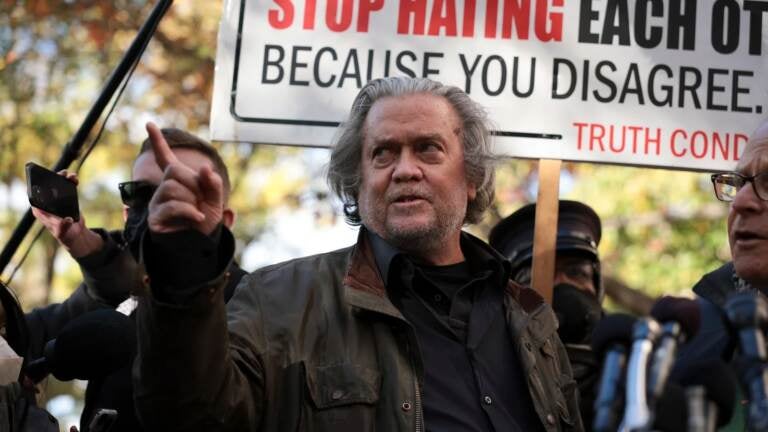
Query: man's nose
[746, 200]
[407, 167]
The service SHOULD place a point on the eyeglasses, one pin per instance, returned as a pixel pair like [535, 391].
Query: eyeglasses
[727, 185]
[136, 194]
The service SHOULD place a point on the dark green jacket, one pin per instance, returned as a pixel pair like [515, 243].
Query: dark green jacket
[314, 344]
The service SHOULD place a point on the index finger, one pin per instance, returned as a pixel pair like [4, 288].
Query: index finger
[163, 154]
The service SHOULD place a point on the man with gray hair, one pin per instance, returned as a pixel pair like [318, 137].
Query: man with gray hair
[416, 327]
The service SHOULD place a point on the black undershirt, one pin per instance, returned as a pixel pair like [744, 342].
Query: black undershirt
[473, 380]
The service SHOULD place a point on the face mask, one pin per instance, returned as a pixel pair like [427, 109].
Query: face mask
[578, 312]
[135, 225]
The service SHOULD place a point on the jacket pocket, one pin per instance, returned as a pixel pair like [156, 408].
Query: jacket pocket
[568, 389]
[342, 397]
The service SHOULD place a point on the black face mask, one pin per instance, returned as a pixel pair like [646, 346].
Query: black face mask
[578, 312]
[135, 226]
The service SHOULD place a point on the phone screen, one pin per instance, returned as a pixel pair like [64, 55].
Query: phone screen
[51, 192]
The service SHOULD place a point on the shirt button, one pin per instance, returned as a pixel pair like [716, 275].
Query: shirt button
[438, 298]
[337, 394]
[550, 419]
[406, 406]
[487, 400]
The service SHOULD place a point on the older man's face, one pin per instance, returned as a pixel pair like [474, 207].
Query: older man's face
[748, 215]
[414, 191]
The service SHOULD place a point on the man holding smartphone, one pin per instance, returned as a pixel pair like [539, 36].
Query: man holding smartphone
[109, 266]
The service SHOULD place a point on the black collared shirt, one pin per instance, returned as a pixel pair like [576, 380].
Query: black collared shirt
[473, 380]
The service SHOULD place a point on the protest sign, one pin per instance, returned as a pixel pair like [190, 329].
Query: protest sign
[663, 83]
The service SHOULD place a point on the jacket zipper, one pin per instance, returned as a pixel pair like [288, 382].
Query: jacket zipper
[417, 404]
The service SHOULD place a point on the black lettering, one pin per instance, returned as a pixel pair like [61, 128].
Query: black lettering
[632, 85]
[682, 22]
[586, 16]
[725, 41]
[652, 37]
[351, 63]
[737, 90]
[295, 65]
[427, 71]
[665, 88]
[387, 56]
[684, 86]
[403, 68]
[585, 81]
[756, 10]
[369, 66]
[503, 75]
[616, 10]
[712, 89]
[556, 76]
[605, 80]
[316, 67]
[516, 91]
[468, 71]
[275, 63]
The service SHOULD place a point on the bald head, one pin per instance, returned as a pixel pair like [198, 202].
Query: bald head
[748, 214]
[757, 148]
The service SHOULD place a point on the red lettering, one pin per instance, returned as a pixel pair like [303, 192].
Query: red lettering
[555, 32]
[447, 20]
[613, 141]
[656, 140]
[672, 143]
[736, 140]
[517, 12]
[411, 8]
[366, 7]
[634, 130]
[699, 155]
[283, 18]
[717, 143]
[468, 21]
[579, 126]
[335, 22]
[491, 18]
[309, 14]
[596, 136]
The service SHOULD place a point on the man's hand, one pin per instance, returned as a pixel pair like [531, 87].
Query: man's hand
[185, 199]
[78, 240]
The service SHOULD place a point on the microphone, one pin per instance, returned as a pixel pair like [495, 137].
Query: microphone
[637, 415]
[680, 318]
[710, 389]
[672, 410]
[92, 345]
[748, 315]
[610, 341]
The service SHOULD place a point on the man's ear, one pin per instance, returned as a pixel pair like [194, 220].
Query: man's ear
[228, 217]
[125, 213]
[471, 192]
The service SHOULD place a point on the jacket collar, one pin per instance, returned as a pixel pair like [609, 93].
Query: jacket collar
[365, 279]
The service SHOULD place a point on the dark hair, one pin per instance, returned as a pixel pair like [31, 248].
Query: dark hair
[178, 138]
[344, 176]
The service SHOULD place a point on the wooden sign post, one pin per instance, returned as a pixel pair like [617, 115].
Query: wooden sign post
[545, 230]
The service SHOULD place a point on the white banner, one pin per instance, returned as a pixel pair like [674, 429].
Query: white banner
[664, 83]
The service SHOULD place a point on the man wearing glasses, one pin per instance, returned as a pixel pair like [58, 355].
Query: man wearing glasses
[578, 289]
[746, 190]
[108, 262]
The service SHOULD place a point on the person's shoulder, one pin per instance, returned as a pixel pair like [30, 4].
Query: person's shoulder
[716, 285]
[316, 261]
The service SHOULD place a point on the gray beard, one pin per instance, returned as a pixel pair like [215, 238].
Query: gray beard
[423, 241]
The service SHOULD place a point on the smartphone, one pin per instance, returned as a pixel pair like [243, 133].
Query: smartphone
[51, 192]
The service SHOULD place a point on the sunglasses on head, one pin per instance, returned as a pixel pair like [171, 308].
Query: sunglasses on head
[136, 194]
